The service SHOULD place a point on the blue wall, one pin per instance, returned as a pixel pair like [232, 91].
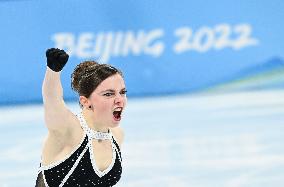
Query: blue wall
[162, 47]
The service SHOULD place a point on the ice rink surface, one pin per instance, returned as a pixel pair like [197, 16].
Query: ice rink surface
[195, 140]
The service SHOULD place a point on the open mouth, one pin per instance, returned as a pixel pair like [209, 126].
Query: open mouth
[117, 114]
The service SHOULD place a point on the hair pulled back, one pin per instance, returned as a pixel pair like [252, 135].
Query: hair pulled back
[89, 74]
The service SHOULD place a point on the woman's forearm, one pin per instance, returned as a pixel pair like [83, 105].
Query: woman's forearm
[51, 88]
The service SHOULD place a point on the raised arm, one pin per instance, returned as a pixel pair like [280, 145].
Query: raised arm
[57, 116]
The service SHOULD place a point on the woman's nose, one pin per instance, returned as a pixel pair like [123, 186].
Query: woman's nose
[119, 98]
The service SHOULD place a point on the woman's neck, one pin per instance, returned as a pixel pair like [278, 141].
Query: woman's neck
[89, 117]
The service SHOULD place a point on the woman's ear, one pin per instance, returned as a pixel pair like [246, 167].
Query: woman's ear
[84, 101]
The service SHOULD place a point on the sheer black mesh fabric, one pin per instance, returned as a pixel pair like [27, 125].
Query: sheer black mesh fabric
[39, 181]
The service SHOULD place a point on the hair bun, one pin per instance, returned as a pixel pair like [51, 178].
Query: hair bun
[80, 70]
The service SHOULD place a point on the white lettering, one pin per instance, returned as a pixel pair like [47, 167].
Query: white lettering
[117, 43]
[208, 34]
[99, 44]
[158, 47]
[106, 45]
[65, 41]
[85, 45]
[105, 55]
[132, 43]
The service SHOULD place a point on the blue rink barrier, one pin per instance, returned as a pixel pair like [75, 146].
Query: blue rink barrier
[162, 48]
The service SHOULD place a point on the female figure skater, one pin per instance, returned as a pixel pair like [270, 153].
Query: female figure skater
[83, 149]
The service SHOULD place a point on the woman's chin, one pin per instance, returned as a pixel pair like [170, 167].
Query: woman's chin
[114, 123]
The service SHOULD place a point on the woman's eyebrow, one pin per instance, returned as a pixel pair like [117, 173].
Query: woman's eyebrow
[111, 90]
[108, 90]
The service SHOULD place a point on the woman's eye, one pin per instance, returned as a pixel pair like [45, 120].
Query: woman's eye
[123, 92]
[108, 94]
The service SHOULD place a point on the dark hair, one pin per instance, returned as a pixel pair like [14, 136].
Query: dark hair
[89, 74]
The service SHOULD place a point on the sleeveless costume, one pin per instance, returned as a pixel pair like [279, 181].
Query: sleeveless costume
[79, 167]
